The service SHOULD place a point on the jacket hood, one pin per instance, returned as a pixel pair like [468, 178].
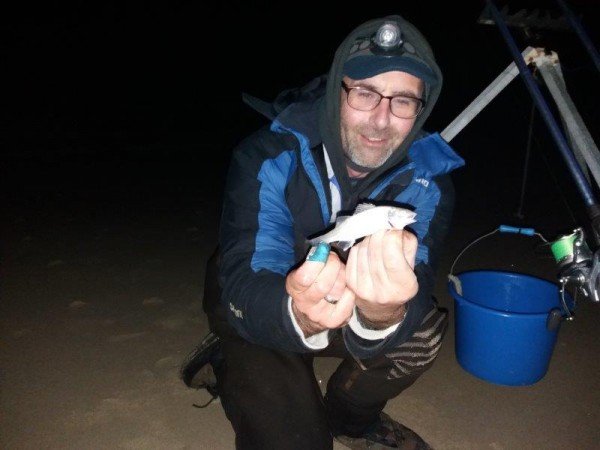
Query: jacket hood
[329, 113]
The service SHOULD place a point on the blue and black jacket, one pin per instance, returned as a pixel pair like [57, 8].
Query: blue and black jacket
[278, 193]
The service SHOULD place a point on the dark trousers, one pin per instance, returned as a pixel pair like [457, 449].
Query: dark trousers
[274, 401]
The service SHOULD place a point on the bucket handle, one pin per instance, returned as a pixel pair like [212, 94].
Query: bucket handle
[554, 319]
[501, 229]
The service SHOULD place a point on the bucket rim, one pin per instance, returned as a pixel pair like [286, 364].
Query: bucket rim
[507, 272]
[495, 311]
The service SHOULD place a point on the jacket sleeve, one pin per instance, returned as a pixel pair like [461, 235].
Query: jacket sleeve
[257, 243]
[434, 207]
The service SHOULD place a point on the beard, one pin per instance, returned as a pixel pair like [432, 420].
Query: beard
[360, 154]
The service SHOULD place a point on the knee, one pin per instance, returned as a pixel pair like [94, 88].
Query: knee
[418, 354]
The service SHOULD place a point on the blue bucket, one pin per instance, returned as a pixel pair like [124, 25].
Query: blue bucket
[505, 325]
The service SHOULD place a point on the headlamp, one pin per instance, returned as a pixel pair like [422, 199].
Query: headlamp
[386, 49]
[388, 37]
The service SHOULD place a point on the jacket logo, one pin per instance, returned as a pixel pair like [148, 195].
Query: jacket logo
[236, 312]
[422, 181]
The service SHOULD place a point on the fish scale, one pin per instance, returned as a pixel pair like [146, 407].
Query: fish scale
[366, 220]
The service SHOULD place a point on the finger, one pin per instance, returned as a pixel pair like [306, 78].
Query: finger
[319, 253]
[410, 245]
[340, 313]
[332, 315]
[400, 271]
[327, 277]
[304, 276]
[364, 283]
[376, 263]
[352, 268]
[339, 286]
[394, 258]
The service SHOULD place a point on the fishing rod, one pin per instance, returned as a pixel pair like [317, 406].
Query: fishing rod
[578, 265]
[593, 208]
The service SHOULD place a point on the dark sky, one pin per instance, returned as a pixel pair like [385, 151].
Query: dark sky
[125, 82]
[150, 69]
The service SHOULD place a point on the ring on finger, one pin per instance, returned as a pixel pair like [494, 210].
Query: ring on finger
[330, 299]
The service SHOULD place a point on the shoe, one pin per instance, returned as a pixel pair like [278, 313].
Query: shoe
[385, 434]
[197, 368]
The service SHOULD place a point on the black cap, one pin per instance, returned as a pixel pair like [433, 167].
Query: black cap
[386, 51]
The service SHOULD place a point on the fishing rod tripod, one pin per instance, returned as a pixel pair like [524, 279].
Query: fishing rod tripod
[578, 265]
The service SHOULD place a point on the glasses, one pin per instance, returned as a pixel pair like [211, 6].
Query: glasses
[364, 99]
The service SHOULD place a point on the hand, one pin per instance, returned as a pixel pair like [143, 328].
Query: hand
[380, 271]
[309, 284]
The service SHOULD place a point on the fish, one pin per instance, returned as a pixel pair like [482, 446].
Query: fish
[366, 220]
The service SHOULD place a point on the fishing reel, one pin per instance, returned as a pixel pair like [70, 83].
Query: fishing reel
[578, 265]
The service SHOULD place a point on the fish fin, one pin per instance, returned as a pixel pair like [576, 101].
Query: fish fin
[341, 252]
[339, 219]
[345, 245]
[363, 207]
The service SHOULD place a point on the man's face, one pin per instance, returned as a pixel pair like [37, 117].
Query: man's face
[370, 137]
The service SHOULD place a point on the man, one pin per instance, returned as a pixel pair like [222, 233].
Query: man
[354, 135]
